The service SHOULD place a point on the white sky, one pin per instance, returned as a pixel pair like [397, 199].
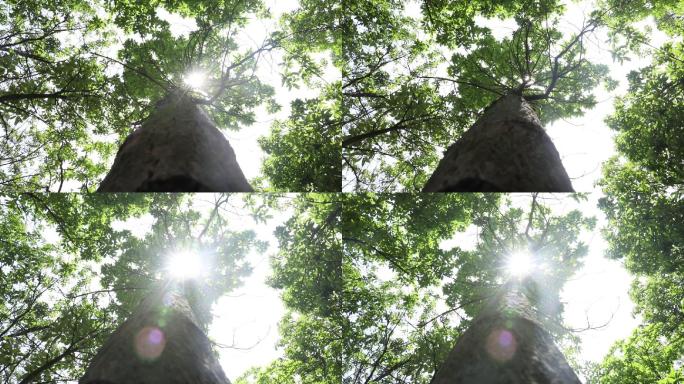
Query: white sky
[248, 317]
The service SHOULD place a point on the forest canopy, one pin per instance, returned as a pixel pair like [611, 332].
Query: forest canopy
[78, 76]
[374, 287]
[377, 283]
[421, 73]
[74, 267]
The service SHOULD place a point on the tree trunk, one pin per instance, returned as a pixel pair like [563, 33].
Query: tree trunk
[506, 344]
[506, 150]
[160, 343]
[177, 149]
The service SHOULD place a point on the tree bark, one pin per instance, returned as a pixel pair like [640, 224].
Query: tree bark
[506, 150]
[506, 344]
[160, 343]
[177, 149]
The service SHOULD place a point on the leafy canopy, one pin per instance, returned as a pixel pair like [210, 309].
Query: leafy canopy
[73, 268]
[415, 84]
[78, 76]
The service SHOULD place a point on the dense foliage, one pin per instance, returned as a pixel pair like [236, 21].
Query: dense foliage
[61, 295]
[78, 76]
[644, 197]
[418, 79]
[308, 270]
[304, 151]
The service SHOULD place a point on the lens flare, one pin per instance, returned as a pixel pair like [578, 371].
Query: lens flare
[501, 345]
[185, 265]
[519, 264]
[149, 343]
[195, 80]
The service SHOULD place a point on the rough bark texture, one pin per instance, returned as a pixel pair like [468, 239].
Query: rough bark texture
[506, 345]
[160, 343]
[177, 149]
[506, 150]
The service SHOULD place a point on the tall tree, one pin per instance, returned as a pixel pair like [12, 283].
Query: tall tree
[407, 106]
[413, 285]
[177, 149]
[61, 135]
[506, 150]
[195, 157]
[507, 343]
[71, 293]
[161, 342]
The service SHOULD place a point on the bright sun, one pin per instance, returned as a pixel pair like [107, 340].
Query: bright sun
[519, 264]
[195, 80]
[185, 265]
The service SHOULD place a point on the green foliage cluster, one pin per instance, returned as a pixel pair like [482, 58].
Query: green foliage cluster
[304, 151]
[645, 357]
[644, 199]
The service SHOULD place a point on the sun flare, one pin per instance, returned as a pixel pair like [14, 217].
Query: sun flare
[185, 265]
[519, 264]
[195, 80]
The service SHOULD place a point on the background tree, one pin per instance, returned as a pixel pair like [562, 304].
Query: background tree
[303, 152]
[643, 196]
[381, 102]
[308, 270]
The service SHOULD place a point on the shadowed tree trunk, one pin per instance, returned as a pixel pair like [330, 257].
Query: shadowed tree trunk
[177, 149]
[506, 150]
[160, 343]
[506, 344]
